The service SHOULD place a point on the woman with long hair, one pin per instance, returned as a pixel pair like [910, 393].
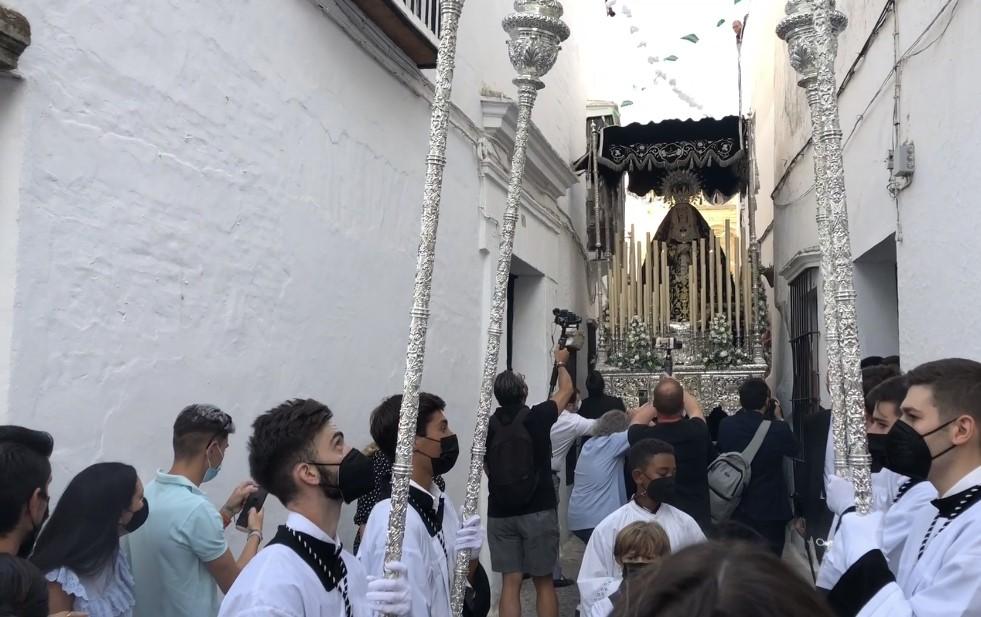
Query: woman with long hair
[78, 549]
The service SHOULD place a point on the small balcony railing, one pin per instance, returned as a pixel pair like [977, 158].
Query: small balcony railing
[412, 25]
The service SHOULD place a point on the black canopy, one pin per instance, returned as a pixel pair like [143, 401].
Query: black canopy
[709, 147]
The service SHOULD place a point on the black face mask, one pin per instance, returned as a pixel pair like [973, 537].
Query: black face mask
[661, 490]
[27, 546]
[877, 450]
[907, 452]
[354, 477]
[449, 451]
[139, 517]
[631, 570]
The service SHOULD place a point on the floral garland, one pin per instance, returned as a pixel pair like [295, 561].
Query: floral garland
[637, 351]
[720, 350]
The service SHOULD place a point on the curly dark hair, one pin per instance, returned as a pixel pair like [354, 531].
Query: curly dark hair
[281, 438]
[711, 579]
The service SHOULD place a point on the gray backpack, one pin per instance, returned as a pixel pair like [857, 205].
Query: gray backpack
[729, 475]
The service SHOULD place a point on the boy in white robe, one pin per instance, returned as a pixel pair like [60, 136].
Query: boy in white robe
[298, 455]
[653, 467]
[933, 570]
[433, 532]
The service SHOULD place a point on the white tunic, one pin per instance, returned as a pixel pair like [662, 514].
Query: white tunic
[569, 427]
[946, 580]
[600, 574]
[278, 583]
[430, 565]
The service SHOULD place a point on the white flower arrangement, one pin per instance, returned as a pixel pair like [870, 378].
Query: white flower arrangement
[720, 351]
[637, 352]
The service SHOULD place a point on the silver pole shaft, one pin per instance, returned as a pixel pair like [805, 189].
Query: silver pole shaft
[416, 351]
[828, 134]
[527, 93]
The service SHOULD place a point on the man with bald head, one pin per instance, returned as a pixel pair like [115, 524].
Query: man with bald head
[689, 435]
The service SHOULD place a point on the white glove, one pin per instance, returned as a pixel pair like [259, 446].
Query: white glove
[390, 596]
[859, 535]
[841, 494]
[470, 537]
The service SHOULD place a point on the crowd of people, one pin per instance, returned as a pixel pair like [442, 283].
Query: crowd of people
[676, 518]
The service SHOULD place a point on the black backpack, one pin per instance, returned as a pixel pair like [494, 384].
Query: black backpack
[512, 474]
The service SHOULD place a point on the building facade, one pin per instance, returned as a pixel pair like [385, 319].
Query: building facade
[219, 202]
[902, 67]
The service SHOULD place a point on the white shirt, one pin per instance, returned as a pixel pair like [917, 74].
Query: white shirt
[429, 561]
[278, 583]
[600, 574]
[567, 429]
[945, 580]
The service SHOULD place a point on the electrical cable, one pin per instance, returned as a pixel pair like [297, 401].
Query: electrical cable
[909, 53]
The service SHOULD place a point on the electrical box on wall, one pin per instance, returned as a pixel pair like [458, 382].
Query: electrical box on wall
[905, 160]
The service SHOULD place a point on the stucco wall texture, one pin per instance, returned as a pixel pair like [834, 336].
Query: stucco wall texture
[219, 202]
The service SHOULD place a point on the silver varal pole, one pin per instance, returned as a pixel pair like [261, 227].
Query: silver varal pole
[416, 351]
[536, 31]
[812, 28]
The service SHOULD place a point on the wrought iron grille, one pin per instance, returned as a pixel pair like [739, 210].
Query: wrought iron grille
[805, 336]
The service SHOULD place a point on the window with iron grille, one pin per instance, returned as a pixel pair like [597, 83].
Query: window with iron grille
[804, 340]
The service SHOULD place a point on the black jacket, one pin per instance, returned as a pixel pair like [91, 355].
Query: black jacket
[809, 495]
[766, 498]
[593, 407]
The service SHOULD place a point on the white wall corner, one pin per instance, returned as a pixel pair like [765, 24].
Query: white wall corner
[802, 260]
[546, 171]
[377, 45]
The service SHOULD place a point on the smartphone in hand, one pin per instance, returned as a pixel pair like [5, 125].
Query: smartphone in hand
[255, 500]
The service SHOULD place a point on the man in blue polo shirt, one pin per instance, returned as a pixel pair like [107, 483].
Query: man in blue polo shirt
[179, 556]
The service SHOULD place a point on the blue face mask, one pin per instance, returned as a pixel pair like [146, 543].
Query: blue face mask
[212, 471]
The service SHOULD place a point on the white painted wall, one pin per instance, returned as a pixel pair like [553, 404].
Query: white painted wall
[935, 226]
[220, 202]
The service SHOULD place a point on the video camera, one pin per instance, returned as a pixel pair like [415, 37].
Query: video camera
[667, 344]
[571, 338]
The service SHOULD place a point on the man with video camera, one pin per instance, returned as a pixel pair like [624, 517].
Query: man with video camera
[523, 525]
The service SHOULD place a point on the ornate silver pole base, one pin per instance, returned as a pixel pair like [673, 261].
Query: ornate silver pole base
[811, 29]
[536, 32]
[415, 354]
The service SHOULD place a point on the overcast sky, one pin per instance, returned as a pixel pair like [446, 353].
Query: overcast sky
[632, 48]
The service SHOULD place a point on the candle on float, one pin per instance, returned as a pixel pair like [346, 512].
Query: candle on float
[719, 289]
[693, 287]
[702, 283]
[648, 277]
[656, 288]
[639, 289]
[666, 278]
[711, 260]
[728, 272]
[737, 257]
[691, 296]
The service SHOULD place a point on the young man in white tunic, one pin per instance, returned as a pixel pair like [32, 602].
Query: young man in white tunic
[298, 455]
[653, 468]
[934, 570]
[433, 531]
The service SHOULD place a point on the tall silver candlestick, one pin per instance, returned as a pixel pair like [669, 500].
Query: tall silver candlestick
[416, 351]
[536, 31]
[811, 29]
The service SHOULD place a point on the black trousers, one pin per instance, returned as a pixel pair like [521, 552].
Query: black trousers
[772, 533]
